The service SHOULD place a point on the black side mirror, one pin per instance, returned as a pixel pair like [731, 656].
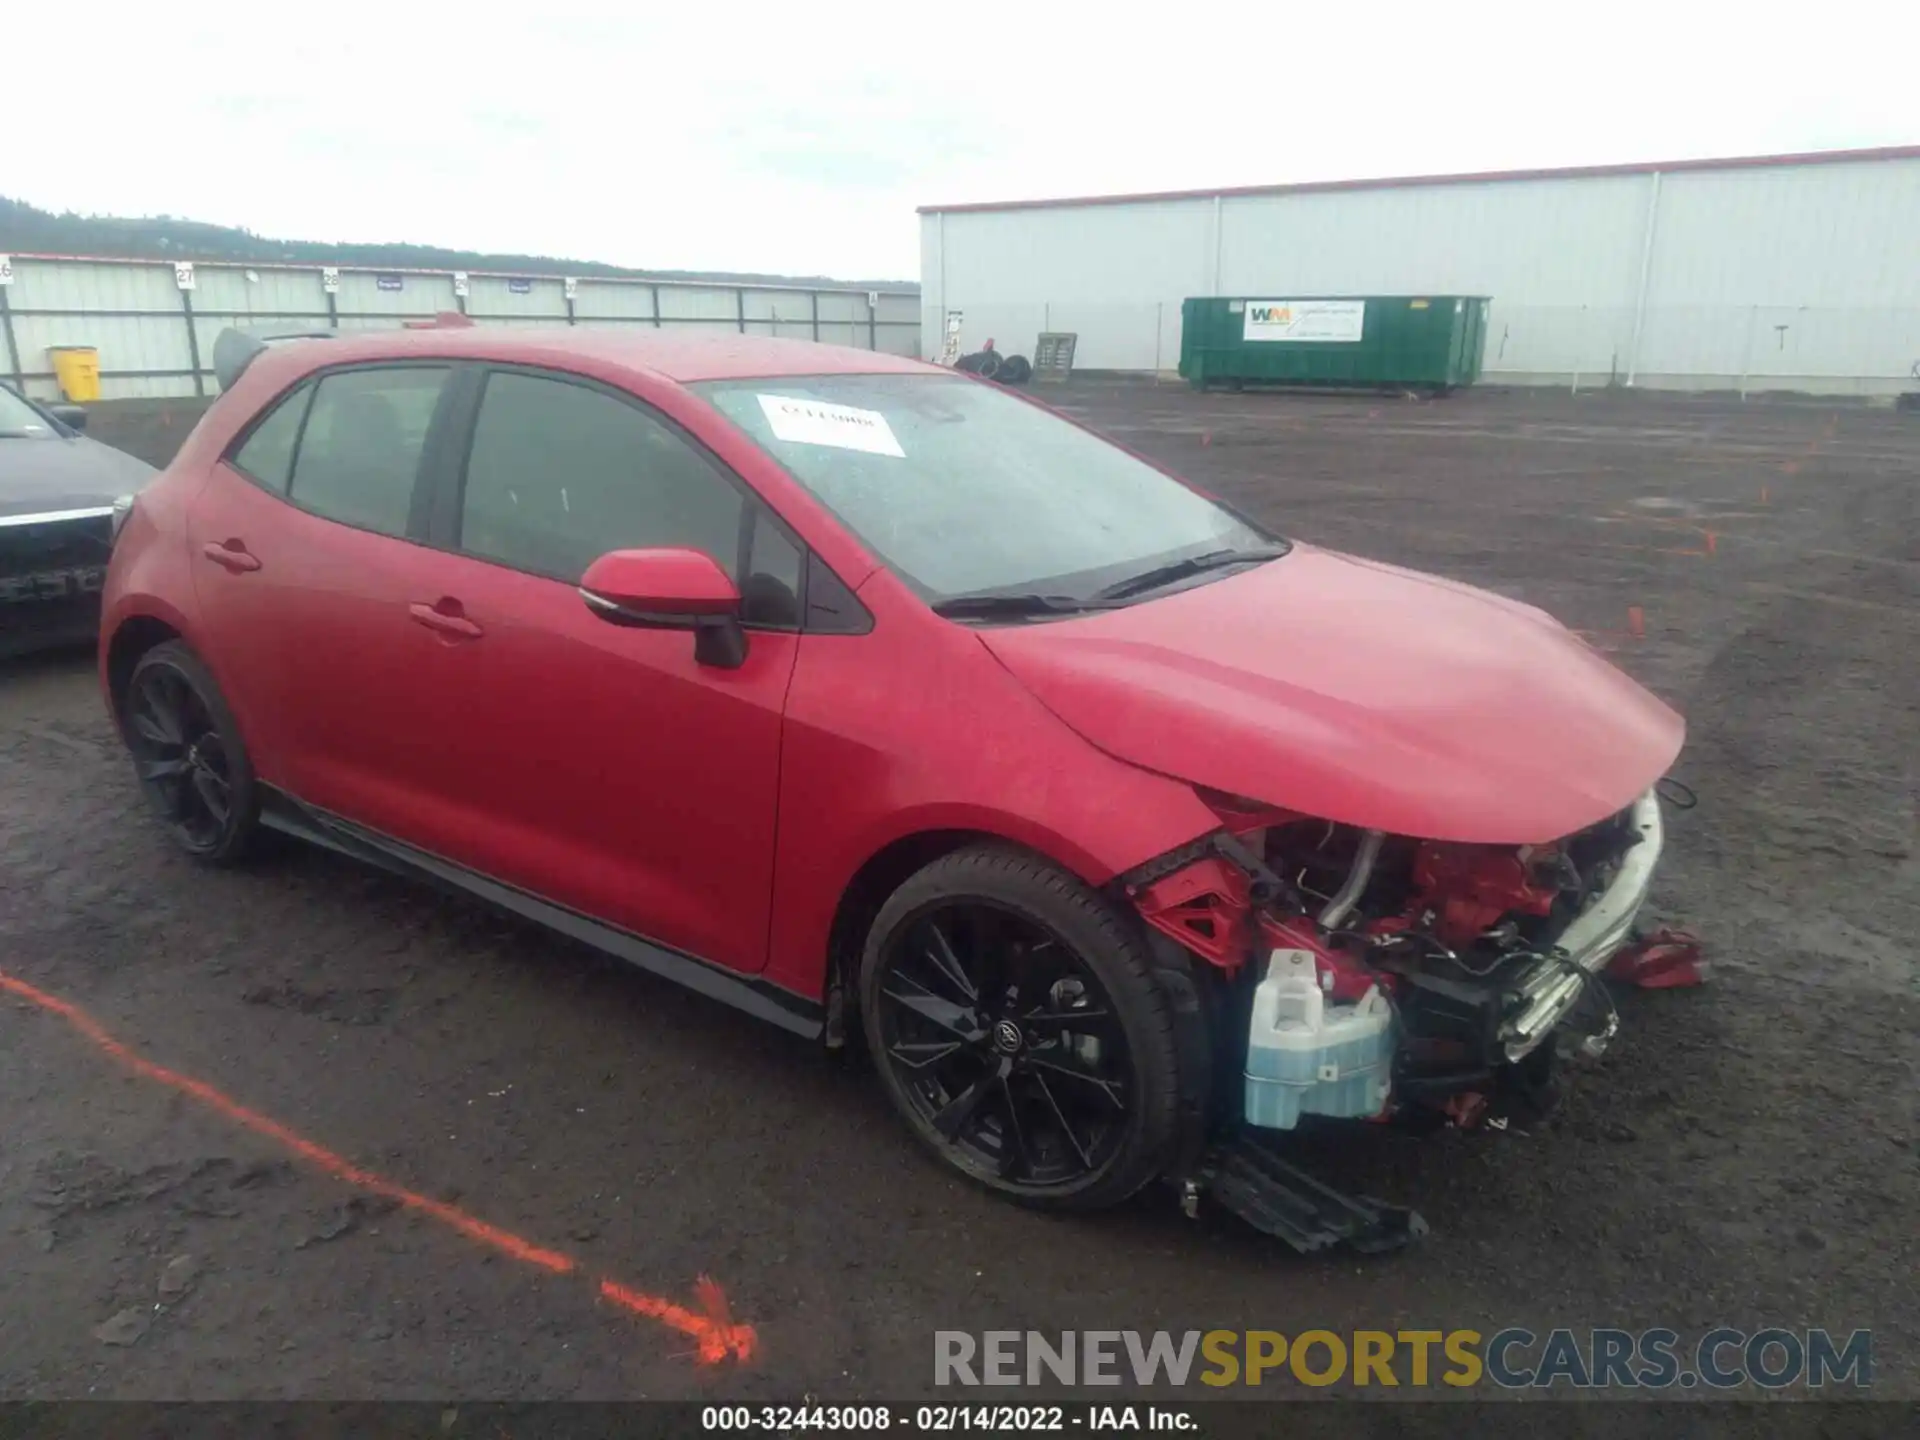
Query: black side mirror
[74, 417]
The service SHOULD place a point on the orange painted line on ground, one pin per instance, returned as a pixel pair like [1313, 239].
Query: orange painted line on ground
[714, 1331]
[318, 1156]
[712, 1326]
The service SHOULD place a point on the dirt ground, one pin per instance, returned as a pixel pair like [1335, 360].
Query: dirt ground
[1746, 1155]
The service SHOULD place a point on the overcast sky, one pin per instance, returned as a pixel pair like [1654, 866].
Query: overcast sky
[799, 137]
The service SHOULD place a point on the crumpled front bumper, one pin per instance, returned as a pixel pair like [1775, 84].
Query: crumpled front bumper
[1544, 995]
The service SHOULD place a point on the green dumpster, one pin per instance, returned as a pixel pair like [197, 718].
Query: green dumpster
[1421, 342]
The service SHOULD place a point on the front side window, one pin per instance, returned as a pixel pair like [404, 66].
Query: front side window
[361, 449]
[967, 493]
[562, 473]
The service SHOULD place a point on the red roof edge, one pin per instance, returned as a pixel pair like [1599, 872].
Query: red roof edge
[1568, 172]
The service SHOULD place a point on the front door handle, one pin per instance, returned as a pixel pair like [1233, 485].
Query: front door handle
[446, 616]
[231, 555]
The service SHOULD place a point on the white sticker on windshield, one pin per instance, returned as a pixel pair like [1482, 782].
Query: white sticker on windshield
[845, 427]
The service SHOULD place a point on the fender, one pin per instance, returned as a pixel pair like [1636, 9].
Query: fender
[126, 608]
[808, 892]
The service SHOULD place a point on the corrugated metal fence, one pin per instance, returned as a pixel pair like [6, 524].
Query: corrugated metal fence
[154, 322]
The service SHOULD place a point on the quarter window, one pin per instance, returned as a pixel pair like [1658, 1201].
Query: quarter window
[770, 595]
[267, 455]
[560, 474]
[361, 448]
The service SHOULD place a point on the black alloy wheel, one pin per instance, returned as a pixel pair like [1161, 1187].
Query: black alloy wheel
[1013, 1046]
[187, 754]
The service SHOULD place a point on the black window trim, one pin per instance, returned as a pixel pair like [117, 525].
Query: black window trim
[447, 466]
[423, 469]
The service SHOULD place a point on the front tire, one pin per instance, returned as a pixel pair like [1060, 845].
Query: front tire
[1016, 1026]
[188, 755]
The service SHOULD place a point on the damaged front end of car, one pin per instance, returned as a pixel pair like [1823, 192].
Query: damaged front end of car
[1347, 973]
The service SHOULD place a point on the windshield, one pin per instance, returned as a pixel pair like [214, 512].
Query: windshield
[965, 491]
[20, 421]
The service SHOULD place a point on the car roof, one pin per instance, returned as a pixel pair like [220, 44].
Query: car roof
[681, 356]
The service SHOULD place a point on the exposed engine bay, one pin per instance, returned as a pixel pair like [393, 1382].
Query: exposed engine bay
[1382, 977]
[1356, 975]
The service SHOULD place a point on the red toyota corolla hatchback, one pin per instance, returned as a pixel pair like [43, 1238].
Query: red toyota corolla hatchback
[873, 699]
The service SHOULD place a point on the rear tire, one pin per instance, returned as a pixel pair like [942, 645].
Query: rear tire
[1013, 1018]
[188, 756]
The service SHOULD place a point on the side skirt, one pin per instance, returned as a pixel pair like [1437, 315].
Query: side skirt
[795, 1013]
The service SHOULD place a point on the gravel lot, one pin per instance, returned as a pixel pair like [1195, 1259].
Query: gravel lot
[1747, 1154]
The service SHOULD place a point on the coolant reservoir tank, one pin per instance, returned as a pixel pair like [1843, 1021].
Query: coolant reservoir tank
[1306, 1055]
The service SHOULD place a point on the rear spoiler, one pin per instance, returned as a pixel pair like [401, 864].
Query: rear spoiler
[234, 349]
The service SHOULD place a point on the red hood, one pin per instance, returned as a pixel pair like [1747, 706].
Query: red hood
[1359, 692]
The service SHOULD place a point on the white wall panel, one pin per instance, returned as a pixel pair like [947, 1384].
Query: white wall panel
[602, 297]
[1079, 253]
[491, 295]
[63, 285]
[1585, 344]
[1805, 276]
[1554, 242]
[270, 292]
[1003, 269]
[696, 303]
[1820, 235]
[154, 337]
[842, 305]
[787, 305]
[418, 295]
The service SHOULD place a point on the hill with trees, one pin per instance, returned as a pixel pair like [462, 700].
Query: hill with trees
[26, 229]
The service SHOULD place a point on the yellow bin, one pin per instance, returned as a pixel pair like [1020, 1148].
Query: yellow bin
[77, 368]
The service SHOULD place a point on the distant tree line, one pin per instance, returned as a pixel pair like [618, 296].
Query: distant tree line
[26, 229]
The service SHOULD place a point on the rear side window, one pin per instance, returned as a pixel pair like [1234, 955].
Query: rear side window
[560, 474]
[267, 455]
[361, 448]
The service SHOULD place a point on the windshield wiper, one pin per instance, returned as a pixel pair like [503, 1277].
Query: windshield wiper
[1180, 569]
[1012, 606]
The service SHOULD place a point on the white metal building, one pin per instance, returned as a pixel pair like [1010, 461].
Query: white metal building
[1792, 272]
